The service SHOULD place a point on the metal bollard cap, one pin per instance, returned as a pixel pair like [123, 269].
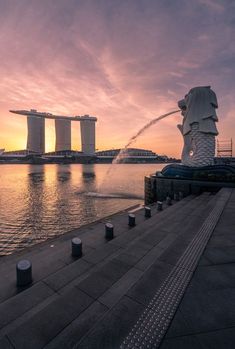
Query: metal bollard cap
[76, 241]
[24, 264]
[131, 215]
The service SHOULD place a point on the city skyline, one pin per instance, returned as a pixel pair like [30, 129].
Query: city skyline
[125, 62]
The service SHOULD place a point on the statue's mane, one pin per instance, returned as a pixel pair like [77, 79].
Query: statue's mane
[201, 103]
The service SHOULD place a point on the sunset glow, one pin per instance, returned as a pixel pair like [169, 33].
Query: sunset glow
[124, 62]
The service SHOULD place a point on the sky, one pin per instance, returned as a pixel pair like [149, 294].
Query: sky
[123, 61]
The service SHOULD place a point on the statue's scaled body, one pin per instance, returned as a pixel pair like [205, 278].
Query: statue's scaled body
[199, 126]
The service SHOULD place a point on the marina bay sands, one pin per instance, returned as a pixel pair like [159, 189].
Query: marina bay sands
[36, 131]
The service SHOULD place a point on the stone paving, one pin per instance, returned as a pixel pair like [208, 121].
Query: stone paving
[206, 315]
[94, 301]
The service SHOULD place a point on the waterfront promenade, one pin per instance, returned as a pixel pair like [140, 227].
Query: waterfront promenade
[167, 282]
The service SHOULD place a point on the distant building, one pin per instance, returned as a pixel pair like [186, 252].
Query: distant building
[36, 131]
[23, 152]
[63, 135]
[36, 134]
[128, 151]
[64, 153]
[130, 155]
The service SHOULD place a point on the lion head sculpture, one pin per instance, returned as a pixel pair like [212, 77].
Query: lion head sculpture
[199, 106]
[199, 126]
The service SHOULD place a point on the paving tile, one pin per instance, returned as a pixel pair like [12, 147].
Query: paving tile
[22, 302]
[124, 239]
[167, 240]
[113, 328]
[178, 326]
[5, 343]
[133, 253]
[144, 290]
[209, 310]
[225, 240]
[65, 275]
[174, 251]
[74, 332]
[37, 331]
[187, 342]
[98, 282]
[8, 288]
[149, 259]
[120, 288]
[153, 236]
[101, 253]
[220, 254]
[204, 262]
[213, 277]
[45, 265]
[224, 339]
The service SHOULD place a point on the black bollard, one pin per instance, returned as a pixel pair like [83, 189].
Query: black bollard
[109, 231]
[159, 206]
[23, 273]
[147, 212]
[176, 197]
[76, 247]
[168, 200]
[131, 220]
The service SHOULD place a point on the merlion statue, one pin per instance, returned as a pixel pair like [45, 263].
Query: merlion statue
[199, 126]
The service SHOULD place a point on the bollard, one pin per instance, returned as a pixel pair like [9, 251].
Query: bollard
[131, 220]
[181, 195]
[159, 206]
[76, 247]
[176, 197]
[168, 200]
[23, 273]
[147, 212]
[109, 231]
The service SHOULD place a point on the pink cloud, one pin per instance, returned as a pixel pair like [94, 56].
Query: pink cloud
[118, 61]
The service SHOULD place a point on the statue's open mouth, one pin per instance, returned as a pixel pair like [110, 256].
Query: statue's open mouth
[182, 104]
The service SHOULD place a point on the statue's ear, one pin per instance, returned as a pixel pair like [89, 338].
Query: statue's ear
[214, 100]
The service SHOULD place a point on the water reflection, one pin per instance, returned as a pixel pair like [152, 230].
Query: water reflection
[35, 205]
[42, 201]
[63, 174]
[88, 171]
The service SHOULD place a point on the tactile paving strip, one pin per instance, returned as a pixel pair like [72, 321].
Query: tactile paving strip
[154, 321]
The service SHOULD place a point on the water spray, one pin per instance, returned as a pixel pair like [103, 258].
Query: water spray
[121, 153]
[142, 130]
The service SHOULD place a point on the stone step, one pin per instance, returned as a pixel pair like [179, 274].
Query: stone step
[50, 258]
[119, 269]
[128, 307]
[102, 255]
[151, 326]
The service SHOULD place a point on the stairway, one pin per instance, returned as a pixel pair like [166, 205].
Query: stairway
[121, 293]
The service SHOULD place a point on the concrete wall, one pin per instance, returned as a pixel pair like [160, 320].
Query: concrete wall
[158, 188]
